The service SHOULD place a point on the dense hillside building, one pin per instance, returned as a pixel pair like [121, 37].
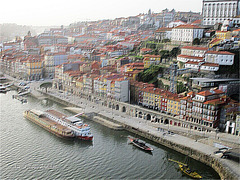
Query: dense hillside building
[207, 107]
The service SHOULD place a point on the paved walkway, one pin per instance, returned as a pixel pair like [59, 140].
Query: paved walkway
[153, 128]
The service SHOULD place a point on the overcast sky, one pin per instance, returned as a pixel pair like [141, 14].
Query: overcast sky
[64, 12]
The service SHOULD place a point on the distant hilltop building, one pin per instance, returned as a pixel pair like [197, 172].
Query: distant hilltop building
[217, 11]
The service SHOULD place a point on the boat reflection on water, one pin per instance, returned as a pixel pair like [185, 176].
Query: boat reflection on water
[186, 170]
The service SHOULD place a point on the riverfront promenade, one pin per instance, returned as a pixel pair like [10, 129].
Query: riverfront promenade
[158, 130]
[154, 129]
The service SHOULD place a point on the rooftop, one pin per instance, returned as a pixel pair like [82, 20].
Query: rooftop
[213, 80]
[195, 48]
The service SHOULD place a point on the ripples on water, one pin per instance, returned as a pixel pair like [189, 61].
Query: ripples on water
[28, 151]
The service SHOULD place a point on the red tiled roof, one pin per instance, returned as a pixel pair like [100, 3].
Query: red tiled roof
[199, 21]
[219, 52]
[210, 64]
[163, 29]
[208, 93]
[204, 93]
[146, 49]
[214, 102]
[192, 62]
[190, 57]
[215, 40]
[187, 26]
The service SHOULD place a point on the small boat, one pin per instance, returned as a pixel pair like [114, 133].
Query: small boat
[140, 144]
[185, 169]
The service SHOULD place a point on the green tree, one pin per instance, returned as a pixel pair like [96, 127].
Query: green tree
[196, 41]
[46, 85]
[164, 55]
[175, 51]
[166, 40]
[150, 75]
[160, 84]
[181, 87]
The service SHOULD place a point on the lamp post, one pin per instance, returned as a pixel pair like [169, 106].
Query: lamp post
[217, 131]
[168, 126]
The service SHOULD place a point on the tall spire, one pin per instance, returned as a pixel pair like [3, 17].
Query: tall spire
[29, 33]
[149, 12]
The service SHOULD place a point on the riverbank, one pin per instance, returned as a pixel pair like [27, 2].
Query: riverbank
[197, 150]
[227, 169]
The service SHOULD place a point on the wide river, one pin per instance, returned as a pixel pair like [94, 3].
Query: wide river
[28, 151]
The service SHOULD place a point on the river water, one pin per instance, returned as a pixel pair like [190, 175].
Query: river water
[28, 151]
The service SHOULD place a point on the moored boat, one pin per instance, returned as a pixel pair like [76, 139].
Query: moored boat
[185, 169]
[81, 130]
[140, 144]
[40, 118]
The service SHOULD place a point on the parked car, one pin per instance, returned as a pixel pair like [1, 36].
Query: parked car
[22, 84]
[27, 87]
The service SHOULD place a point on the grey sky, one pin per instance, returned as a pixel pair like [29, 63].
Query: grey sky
[64, 12]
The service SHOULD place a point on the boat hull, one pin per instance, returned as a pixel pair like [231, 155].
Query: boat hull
[188, 172]
[145, 148]
[87, 138]
[48, 128]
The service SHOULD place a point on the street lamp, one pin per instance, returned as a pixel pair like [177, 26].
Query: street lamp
[217, 131]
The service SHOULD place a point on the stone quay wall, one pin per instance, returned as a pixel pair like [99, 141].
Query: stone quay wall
[223, 172]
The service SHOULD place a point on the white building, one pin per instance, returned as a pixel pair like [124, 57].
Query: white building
[230, 127]
[219, 57]
[122, 90]
[185, 58]
[193, 51]
[186, 33]
[209, 67]
[202, 66]
[192, 65]
[216, 11]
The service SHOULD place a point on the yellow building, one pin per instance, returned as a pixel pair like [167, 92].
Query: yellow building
[152, 97]
[34, 68]
[86, 67]
[79, 85]
[223, 34]
[214, 42]
[146, 62]
[173, 105]
[151, 59]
